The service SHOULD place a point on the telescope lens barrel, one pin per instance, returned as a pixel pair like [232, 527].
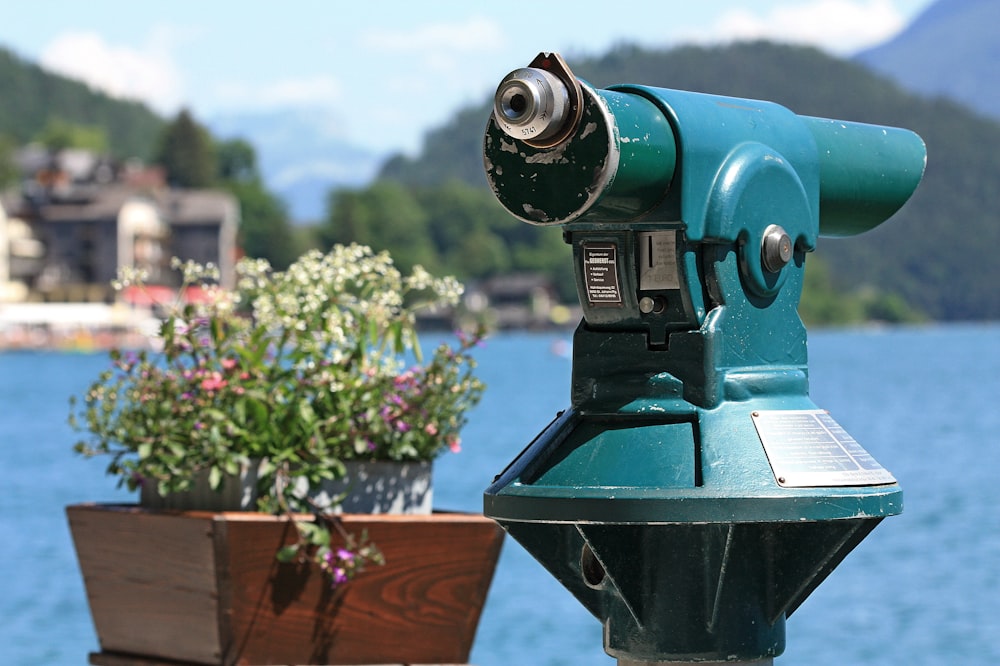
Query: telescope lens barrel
[531, 104]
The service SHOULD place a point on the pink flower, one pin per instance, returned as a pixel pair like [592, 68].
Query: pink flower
[455, 445]
[214, 382]
[228, 363]
[431, 429]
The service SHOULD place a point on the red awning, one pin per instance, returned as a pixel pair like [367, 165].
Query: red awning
[150, 294]
[196, 294]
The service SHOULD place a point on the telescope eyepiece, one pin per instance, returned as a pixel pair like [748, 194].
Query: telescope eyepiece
[531, 104]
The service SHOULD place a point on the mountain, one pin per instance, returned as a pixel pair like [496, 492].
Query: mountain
[32, 97]
[302, 154]
[951, 50]
[937, 253]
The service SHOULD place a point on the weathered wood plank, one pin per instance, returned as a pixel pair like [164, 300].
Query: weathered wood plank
[150, 581]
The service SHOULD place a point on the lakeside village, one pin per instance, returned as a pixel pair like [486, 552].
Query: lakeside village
[76, 218]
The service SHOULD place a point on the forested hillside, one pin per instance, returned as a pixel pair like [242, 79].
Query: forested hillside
[936, 253]
[32, 98]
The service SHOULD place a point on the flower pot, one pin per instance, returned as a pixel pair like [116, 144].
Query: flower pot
[205, 588]
[378, 487]
[238, 493]
[367, 487]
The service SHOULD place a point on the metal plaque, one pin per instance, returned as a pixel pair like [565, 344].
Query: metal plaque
[600, 271]
[658, 260]
[808, 449]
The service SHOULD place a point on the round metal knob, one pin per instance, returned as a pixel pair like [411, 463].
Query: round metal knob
[776, 248]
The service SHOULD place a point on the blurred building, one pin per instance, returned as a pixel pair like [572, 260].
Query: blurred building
[75, 219]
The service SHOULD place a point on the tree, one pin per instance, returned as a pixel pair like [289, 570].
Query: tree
[60, 134]
[264, 229]
[384, 216]
[8, 169]
[236, 160]
[187, 153]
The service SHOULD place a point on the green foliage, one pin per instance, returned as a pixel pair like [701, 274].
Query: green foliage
[385, 216]
[59, 134]
[236, 161]
[456, 227]
[187, 153]
[32, 97]
[822, 304]
[8, 170]
[265, 232]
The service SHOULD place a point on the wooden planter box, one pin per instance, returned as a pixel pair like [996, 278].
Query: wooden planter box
[205, 588]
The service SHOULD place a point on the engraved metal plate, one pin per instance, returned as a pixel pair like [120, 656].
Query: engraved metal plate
[808, 449]
[658, 260]
[600, 270]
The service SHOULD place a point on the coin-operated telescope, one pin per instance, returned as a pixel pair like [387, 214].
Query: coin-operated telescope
[692, 495]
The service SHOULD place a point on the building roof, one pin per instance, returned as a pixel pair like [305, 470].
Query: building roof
[97, 203]
[181, 207]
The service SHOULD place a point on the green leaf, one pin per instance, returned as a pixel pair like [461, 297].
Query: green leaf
[287, 553]
[215, 478]
[232, 467]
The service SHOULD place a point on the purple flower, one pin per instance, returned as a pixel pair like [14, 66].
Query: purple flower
[339, 575]
[345, 555]
[402, 426]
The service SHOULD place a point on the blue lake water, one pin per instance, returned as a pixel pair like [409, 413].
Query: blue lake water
[924, 588]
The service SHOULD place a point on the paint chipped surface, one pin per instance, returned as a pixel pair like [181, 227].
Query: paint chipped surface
[556, 155]
[535, 214]
[509, 147]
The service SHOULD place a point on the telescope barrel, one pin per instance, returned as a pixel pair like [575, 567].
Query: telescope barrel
[614, 162]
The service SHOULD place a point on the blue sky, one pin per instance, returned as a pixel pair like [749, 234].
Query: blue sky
[385, 72]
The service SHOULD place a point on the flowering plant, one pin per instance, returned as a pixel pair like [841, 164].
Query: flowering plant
[293, 372]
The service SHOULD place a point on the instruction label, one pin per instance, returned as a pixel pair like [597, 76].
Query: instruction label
[600, 273]
[808, 449]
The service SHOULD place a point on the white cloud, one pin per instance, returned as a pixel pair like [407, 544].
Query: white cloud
[475, 34]
[147, 74]
[839, 26]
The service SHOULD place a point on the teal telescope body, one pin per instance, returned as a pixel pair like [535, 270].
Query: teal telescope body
[692, 495]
